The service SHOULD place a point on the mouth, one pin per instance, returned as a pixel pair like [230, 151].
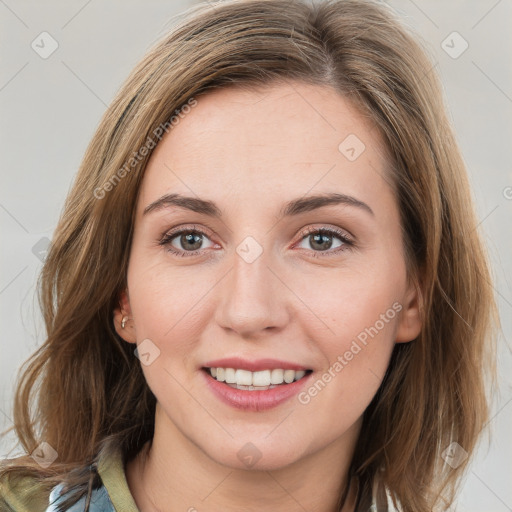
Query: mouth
[254, 384]
[262, 380]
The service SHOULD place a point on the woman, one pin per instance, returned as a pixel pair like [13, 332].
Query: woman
[266, 288]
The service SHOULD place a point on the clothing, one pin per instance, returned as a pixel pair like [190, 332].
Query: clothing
[100, 501]
[113, 496]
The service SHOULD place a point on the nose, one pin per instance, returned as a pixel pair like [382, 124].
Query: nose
[254, 300]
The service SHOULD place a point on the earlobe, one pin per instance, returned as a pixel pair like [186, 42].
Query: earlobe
[411, 322]
[123, 320]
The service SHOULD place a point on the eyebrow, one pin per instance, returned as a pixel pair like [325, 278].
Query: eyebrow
[291, 208]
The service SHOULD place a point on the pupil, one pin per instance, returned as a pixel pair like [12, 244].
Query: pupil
[323, 241]
[191, 238]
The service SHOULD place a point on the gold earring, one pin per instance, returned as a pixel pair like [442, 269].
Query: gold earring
[123, 321]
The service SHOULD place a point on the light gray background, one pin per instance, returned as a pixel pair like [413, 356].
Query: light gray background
[51, 107]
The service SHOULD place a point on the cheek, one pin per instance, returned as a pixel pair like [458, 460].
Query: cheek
[163, 294]
[354, 328]
[356, 360]
[342, 304]
[170, 307]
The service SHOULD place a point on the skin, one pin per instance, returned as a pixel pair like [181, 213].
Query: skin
[250, 151]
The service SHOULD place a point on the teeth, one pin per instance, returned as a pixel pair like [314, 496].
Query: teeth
[255, 380]
[261, 378]
[289, 376]
[246, 378]
[230, 376]
[277, 376]
[299, 374]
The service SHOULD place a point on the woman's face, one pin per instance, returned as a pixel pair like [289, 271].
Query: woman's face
[233, 258]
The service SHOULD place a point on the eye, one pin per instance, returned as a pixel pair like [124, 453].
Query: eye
[189, 241]
[323, 240]
[185, 242]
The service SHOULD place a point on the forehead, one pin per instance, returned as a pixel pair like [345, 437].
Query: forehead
[268, 142]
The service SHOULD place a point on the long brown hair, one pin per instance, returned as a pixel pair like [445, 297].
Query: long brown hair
[83, 391]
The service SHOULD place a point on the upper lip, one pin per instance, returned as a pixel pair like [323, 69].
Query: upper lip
[254, 365]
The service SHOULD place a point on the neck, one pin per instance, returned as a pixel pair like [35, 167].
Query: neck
[173, 474]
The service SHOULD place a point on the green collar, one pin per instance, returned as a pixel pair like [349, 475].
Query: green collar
[113, 476]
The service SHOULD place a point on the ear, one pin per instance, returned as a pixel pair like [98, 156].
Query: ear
[410, 323]
[124, 311]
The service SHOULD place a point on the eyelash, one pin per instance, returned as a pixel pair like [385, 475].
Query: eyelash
[347, 241]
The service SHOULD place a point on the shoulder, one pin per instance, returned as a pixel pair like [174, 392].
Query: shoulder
[100, 501]
[22, 494]
[26, 494]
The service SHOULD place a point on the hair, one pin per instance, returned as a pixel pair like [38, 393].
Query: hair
[83, 391]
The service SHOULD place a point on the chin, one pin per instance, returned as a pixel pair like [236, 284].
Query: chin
[257, 455]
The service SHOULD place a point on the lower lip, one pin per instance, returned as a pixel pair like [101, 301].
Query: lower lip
[254, 400]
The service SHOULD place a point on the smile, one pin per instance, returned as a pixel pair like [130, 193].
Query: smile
[255, 391]
[256, 381]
